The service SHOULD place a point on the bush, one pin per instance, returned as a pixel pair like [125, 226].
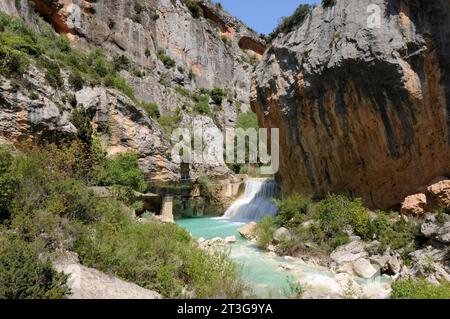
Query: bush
[12, 62]
[288, 23]
[202, 106]
[337, 211]
[195, 9]
[116, 81]
[293, 209]
[166, 60]
[247, 120]
[264, 231]
[123, 170]
[52, 73]
[7, 181]
[76, 80]
[121, 62]
[152, 110]
[419, 289]
[217, 95]
[81, 119]
[23, 275]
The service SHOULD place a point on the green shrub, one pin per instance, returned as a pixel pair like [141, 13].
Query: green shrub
[247, 120]
[166, 60]
[70, 198]
[23, 275]
[52, 72]
[217, 95]
[116, 81]
[264, 231]
[152, 110]
[288, 23]
[123, 169]
[168, 122]
[337, 211]
[76, 80]
[12, 62]
[195, 9]
[81, 119]
[98, 62]
[121, 62]
[202, 106]
[419, 289]
[7, 182]
[293, 209]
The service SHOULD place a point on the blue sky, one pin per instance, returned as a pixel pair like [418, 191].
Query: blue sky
[262, 15]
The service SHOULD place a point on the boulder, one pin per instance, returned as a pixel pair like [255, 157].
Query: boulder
[414, 205]
[441, 192]
[282, 234]
[248, 231]
[342, 258]
[429, 263]
[363, 268]
[395, 264]
[436, 230]
[381, 261]
[349, 252]
[89, 283]
[230, 240]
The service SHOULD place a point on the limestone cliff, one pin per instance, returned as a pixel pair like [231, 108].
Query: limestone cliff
[361, 94]
[207, 49]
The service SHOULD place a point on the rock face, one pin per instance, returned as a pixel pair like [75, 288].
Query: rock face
[89, 283]
[361, 110]
[248, 231]
[211, 50]
[414, 205]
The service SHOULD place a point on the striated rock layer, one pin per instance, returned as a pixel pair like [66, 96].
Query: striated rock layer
[361, 110]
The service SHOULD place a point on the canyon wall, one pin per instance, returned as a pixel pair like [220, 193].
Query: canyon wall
[361, 94]
[206, 52]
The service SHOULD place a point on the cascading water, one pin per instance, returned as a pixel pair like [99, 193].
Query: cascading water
[256, 202]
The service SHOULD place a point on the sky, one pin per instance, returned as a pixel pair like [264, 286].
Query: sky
[262, 15]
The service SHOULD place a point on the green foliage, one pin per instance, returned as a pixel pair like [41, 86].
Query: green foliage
[158, 256]
[114, 80]
[293, 209]
[294, 289]
[264, 231]
[121, 62]
[195, 9]
[419, 289]
[337, 211]
[168, 122]
[12, 62]
[247, 120]
[123, 169]
[288, 23]
[202, 106]
[166, 60]
[217, 95]
[152, 110]
[81, 119]
[7, 181]
[23, 275]
[70, 198]
[76, 80]
[52, 72]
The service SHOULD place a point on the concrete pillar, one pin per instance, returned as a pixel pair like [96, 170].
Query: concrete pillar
[167, 209]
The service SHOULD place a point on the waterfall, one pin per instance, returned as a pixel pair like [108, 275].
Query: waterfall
[256, 202]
